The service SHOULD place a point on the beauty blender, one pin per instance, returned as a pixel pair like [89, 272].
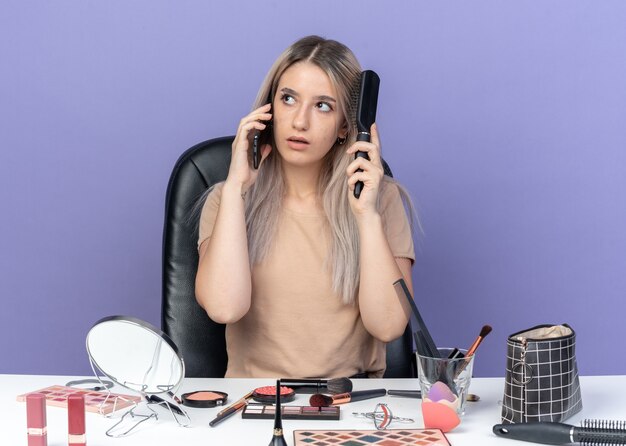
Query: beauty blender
[439, 391]
[439, 416]
[454, 405]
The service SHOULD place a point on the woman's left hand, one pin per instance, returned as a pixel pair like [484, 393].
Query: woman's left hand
[371, 175]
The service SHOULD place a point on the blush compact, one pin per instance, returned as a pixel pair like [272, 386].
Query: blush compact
[267, 394]
[204, 398]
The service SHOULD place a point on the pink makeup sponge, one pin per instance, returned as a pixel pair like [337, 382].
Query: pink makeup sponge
[454, 405]
[439, 416]
[440, 391]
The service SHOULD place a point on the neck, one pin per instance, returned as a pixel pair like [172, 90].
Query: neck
[301, 182]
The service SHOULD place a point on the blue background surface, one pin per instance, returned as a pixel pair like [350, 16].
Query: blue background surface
[505, 120]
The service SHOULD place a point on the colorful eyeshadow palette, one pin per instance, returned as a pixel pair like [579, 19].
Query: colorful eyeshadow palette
[260, 411]
[390, 437]
[57, 396]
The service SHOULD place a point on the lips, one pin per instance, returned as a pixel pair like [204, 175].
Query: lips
[297, 142]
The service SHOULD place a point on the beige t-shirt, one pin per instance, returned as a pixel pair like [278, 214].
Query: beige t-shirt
[297, 326]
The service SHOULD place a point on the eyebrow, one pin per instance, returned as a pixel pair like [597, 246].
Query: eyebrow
[319, 98]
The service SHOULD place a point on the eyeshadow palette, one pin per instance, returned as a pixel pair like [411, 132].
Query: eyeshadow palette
[260, 411]
[390, 437]
[57, 396]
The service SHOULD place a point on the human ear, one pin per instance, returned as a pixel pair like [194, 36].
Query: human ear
[343, 131]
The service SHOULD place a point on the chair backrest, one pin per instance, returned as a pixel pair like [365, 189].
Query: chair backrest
[200, 340]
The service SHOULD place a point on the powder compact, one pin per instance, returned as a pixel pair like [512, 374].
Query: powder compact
[204, 398]
[267, 394]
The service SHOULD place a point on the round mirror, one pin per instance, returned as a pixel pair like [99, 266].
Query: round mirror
[135, 354]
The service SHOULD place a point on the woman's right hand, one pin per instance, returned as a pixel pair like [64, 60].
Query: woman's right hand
[241, 173]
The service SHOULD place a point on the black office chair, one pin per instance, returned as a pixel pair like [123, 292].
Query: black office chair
[200, 340]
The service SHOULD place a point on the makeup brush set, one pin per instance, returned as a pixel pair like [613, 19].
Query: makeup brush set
[423, 340]
[444, 374]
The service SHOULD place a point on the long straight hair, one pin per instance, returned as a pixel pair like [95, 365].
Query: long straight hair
[264, 199]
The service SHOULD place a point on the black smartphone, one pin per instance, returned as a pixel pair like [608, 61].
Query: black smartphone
[260, 138]
[256, 150]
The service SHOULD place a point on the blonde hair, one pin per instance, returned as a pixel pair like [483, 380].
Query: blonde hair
[264, 199]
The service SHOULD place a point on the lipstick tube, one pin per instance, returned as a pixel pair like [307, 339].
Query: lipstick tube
[37, 430]
[76, 420]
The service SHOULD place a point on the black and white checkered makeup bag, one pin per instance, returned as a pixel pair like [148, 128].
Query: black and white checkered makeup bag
[541, 382]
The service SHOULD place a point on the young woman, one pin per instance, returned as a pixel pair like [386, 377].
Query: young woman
[299, 270]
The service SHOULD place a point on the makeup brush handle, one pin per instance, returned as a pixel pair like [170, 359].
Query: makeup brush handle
[308, 389]
[539, 432]
[360, 395]
[305, 385]
[227, 413]
[474, 346]
[405, 393]
[303, 381]
[423, 340]
[462, 366]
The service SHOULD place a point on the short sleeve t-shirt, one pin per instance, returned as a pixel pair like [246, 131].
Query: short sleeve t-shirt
[297, 326]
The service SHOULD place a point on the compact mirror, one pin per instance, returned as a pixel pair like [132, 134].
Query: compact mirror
[135, 354]
[138, 356]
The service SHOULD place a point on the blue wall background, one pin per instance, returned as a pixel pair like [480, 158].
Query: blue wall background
[505, 120]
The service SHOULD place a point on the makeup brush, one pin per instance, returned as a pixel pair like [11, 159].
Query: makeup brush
[590, 433]
[423, 341]
[320, 400]
[229, 412]
[335, 385]
[243, 400]
[277, 438]
[483, 333]
[471, 397]
[470, 351]
[405, 393]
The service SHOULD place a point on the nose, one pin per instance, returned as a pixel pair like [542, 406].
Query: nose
[301, 119]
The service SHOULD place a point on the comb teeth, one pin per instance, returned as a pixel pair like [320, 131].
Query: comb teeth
[353, 105]
[368, 101]
[604, 424]
[602, 432]
[601, 443]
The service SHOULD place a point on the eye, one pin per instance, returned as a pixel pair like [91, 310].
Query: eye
[324, 106]
[287, 99]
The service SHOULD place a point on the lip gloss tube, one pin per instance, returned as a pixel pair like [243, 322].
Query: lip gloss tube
[36, 420]
[76, 420]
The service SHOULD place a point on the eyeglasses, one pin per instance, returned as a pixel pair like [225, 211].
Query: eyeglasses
[382, 416]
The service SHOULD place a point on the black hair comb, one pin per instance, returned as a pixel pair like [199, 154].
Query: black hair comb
[366, 114]
[592, 432]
